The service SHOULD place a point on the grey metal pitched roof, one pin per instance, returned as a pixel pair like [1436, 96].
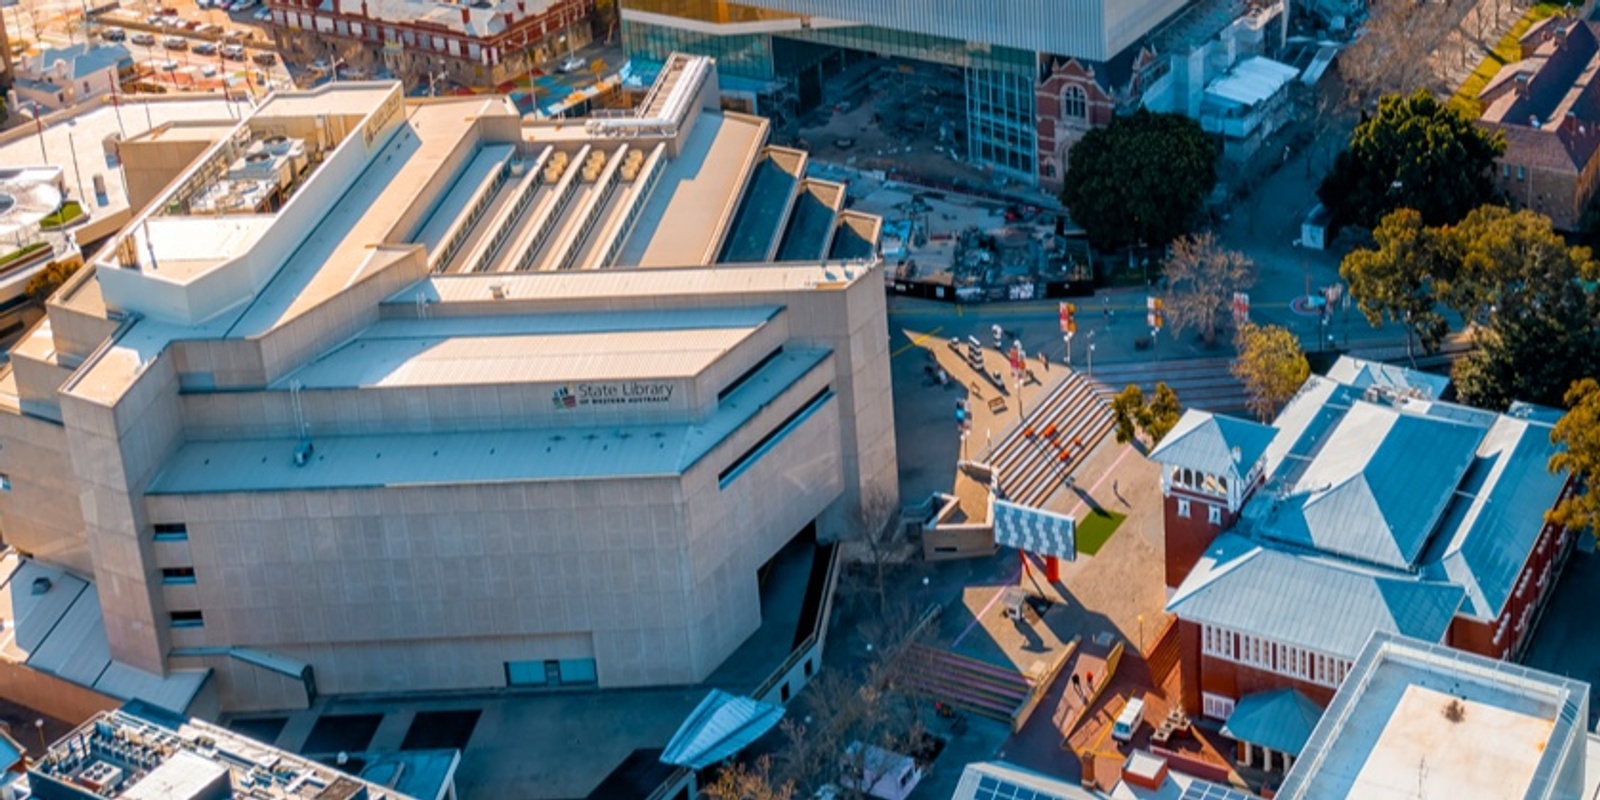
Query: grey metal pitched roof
[1377, 492]
[1495, 520]
[1361, 373]
[83, 59]
[1281, 720]
[1205, 442]
[1309, 602]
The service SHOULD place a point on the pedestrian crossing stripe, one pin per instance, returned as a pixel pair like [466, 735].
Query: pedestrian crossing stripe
[1032, 530]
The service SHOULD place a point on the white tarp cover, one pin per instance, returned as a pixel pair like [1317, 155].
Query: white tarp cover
[1252, 81]
[719, 727]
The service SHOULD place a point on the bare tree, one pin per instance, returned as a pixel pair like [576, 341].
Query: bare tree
[738, 781]
[1395, 54]
[868, 705]
[1202, 277]
[877, 537]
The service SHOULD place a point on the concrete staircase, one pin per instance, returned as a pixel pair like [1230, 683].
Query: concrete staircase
[1201, 383]
[1036, 458]
[965, 683]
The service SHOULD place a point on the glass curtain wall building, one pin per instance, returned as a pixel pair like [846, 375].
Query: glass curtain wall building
[999, 80]
[790, 49]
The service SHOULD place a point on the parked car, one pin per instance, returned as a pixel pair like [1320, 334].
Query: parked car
[114, 34]
[573, 64]
[236, 35]
[264, 15]
[143, 38]
[175, 43]
[209, 70]
[204, 48]
[233, 52]
[209, 30]
[156, 21]
[167, 66]
[265, 59]
[242, 5]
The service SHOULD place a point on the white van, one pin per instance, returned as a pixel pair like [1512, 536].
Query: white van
[1129, 721]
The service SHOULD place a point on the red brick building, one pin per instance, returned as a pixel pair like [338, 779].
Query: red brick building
[1547, 105]
[477, 44]
[1072, 97]
[1367, 506]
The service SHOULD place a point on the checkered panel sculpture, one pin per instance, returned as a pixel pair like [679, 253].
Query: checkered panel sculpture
[1033, 531]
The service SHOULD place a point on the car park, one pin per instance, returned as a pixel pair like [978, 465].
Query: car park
[143, 38]
[175, 43]
[204, 48]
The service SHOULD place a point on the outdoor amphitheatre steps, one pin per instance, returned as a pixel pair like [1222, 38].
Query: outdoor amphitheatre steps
[1037, 456]
[966, 683]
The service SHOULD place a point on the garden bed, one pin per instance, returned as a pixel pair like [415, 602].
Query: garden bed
[68, 213]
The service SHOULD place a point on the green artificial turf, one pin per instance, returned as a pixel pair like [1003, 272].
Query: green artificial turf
[1096, 529]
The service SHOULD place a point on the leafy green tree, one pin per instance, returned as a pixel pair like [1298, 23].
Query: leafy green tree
[1272, 367]
[1132, 413]
[1143, 178]
[1396, 280]
[1126, 409]
[1202, 277]
[1530, 296]
[1160, 414]
[1578, 436]
[1418, 153]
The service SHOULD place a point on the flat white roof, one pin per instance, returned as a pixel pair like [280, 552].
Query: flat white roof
[75, 139]
[1422, 720]
[526, 358]
[1418, 751]
[536, 454]
[697, 189]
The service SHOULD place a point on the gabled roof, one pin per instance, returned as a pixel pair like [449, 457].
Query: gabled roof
[1378, 494]
[1205, 442]
[84, 59]
[1361, 374]
[1495, 520]
[1280, 720]
[1310, 602]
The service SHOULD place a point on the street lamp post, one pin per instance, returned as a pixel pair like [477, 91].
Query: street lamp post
[1091, 354]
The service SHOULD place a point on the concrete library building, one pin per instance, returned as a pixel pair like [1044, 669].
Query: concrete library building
[384, 395]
